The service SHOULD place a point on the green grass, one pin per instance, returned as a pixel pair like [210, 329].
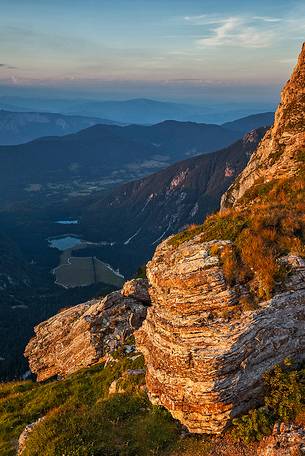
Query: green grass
[81, 417]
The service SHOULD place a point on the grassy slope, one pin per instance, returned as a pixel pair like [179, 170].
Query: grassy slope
[82, 419]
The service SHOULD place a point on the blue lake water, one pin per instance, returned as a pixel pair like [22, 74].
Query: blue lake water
[67, 222]
[65, 242]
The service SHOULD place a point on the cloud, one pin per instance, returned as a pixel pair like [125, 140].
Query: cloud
[237, 31]
[195, 18]
[7, 67]
[289, 61]
[267, 19]
[204, 19]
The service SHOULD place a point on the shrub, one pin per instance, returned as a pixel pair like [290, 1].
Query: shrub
[284, 401]
[185, 235]
[254, 426]
[141, 272]
[223, 225]
[230, 264]
[284, 392]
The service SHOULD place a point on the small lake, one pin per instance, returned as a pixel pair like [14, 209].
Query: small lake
[67, 222]
[64, 242]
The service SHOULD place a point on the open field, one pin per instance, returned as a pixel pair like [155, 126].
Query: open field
[83, 271]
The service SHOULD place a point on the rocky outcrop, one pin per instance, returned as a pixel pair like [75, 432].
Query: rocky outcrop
[206, 344]
[286, 440]
[205, 355]
[278, 153]
[81, 335]
[25, 434]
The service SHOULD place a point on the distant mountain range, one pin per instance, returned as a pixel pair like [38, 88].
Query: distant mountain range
[90, 160]
[138, 110]
[102, 155]
[143, 111]
[21, 127]
[137, 215]
[249, 123]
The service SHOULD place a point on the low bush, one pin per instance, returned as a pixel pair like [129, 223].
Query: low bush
[260, 233]
[284, 401]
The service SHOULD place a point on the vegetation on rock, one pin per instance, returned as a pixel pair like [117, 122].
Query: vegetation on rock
[284, 401]
[269, 224]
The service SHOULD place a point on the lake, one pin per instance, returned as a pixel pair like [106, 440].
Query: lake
[81, 271]
[67, 222]
[64, 242]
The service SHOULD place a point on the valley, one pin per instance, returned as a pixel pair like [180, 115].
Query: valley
[81, 231]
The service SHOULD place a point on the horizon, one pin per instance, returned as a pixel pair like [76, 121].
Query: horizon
[169, 51]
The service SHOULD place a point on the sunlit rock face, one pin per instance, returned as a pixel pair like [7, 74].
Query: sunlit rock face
[205, 357]
[205, 353]
[81, 335]
[286, 440]
[278, 154]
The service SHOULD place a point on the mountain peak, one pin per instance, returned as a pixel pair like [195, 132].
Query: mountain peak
[278, 155]
[290, 115]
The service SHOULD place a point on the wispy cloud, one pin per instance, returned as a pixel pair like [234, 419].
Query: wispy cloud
[289, 61]
[195, 18]
[7, 67]
[234, 31]
[267, 19]
[250, 32]
[204, 19]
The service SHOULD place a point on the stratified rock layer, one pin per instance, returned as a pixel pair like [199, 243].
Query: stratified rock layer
[81, 335]
[278, 153]
[205, 358]
[286, 440]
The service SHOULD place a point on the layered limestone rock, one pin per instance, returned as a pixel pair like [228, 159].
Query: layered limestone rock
[278, 153]
[81, 335]
[205, 356]
[286, 440]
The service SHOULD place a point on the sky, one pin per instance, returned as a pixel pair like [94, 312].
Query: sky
[190, 50]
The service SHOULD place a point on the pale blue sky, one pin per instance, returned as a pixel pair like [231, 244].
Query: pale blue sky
[169, 49]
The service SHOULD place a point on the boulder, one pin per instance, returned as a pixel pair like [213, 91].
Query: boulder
[81, 335]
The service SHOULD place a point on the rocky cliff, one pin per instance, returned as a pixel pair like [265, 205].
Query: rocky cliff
[279, 152]
[228, 297]
[205, 354]
[81, 335]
